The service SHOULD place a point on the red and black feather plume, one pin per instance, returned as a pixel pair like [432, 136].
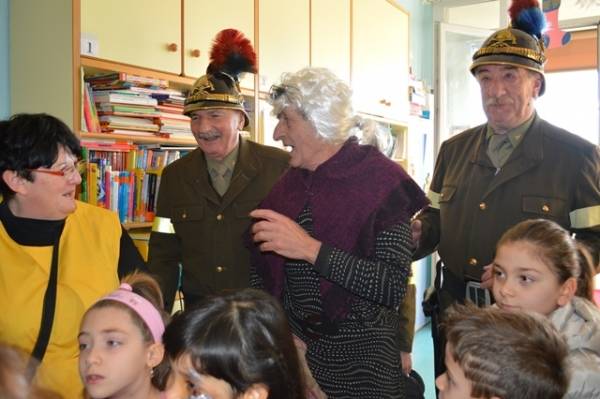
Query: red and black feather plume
[232, 53]
[527, 16]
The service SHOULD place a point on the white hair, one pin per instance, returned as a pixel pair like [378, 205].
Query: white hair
[326, 102]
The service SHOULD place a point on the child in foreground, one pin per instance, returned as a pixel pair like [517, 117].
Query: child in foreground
[120, 342]
[235, 345]
[538, 267]
[495, 354]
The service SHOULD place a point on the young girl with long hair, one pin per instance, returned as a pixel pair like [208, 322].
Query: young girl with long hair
[539, 267]
[120, 342]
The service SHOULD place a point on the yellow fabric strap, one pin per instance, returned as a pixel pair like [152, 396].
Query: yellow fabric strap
[163, 225]
[434, 198]
[585, 217]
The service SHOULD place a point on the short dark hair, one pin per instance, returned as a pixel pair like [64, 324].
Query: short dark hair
[241, 337]
[30, 141]
[507, 354]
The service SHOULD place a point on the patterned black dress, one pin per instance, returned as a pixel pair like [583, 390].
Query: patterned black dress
[360, 356]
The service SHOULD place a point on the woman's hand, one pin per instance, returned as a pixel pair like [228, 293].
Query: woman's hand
[280, 234]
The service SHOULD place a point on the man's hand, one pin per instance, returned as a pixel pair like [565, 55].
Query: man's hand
[417, 228]
[487, 278]
[280, 234]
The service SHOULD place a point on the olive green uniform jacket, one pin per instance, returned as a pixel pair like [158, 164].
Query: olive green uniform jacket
[203, 232]
[551, 174]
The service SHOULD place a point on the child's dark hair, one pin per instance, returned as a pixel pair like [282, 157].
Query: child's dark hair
[506, 354]
[242, 338]
[145, 286]
[566, 257]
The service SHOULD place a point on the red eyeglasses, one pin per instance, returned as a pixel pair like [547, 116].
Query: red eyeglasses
[67, 171]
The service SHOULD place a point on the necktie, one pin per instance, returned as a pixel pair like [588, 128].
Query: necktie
[219, 179]
[499, 149]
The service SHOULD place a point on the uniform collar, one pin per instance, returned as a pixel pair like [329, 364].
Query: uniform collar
[515, 136]
[227, 163]
[531, 147]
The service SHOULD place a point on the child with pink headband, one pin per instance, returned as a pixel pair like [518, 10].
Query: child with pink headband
[120, 342]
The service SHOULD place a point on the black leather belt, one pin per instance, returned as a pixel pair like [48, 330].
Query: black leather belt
[460, 289]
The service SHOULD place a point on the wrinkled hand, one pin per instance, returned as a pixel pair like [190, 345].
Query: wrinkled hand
[280, 234]
[312, 387]
[487, 278]
[406, 362]
[416, 227]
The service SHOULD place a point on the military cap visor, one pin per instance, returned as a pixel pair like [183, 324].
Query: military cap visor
[509, 61]
[200, 105]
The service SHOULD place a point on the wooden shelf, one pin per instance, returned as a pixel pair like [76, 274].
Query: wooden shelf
[97, 65]
[140, 139]
[137, 225]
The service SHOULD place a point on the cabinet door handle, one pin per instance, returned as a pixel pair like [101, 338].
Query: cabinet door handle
[172, 47]
[195, 53]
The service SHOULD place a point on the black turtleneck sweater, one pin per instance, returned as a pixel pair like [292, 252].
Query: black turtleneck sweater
[42, 233]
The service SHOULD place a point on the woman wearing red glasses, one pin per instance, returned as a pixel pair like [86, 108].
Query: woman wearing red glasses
[58, 255]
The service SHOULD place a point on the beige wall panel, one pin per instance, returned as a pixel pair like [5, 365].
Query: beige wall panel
[41, 60]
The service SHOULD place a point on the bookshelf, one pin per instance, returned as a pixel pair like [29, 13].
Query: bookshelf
[139, 140]
[124, 169]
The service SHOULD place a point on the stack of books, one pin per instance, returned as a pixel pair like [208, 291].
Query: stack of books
[172, 119]
[124, 103]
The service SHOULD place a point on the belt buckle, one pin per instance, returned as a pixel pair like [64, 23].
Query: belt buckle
[479, 296]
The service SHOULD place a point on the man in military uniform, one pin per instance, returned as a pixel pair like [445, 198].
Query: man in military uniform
[205, 197]
[515, 167]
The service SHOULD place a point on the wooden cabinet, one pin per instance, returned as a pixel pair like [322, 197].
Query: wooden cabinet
[202, 20]
[330, 36]
[362, 41]
[145, 33]
[284, 39]
[380, 58]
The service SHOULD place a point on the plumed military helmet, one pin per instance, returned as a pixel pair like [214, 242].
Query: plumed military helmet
[520, 45]
[230, 56]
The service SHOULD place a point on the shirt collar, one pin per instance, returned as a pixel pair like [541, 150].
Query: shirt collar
[515, 136]
[228, 163]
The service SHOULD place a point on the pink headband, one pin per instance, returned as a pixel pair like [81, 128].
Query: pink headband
[141, 306]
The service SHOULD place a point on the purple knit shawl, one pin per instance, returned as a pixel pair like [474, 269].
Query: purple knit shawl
[353, 196]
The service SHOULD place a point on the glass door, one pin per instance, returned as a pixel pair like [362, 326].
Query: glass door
[459, 105]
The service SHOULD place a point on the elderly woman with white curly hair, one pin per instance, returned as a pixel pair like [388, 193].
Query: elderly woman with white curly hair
[333, 239]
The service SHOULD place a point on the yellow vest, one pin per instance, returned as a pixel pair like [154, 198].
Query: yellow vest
[87, 269]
